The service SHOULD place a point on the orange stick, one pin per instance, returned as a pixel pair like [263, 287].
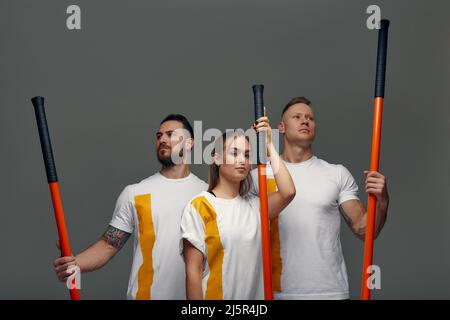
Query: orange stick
[375, 153]
[262, 183]
[265, 232]
[52, 179]
[372, 201]
[62, 231]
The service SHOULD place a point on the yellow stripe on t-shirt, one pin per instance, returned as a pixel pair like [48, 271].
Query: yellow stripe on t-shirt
[214, 249]
[146, 242]
[275, 243]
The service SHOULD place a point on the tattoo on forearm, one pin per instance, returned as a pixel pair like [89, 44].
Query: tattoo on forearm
[347, 219]
[115, 237]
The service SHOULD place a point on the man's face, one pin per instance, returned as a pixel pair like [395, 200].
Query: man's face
[171, 139]
[298, 124]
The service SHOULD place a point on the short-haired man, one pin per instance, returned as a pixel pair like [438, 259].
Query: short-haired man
[151, 210]
[307, 259]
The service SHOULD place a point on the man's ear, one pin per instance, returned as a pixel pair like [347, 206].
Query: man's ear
[281, 127]
[189, 144]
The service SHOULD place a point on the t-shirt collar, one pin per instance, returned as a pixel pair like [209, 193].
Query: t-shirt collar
[175, 180]
[303, 163]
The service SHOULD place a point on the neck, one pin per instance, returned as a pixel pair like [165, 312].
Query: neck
[296, 153]
[178, 171]
[226, 189]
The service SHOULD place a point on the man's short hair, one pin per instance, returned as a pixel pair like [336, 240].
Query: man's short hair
[182, 119]
[295, 101]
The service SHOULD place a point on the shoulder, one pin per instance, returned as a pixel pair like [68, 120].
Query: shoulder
[325, 164]
[200, 207]
[145, 183]
[336, 172]
[252, 200]
[333, 167]
[151, 179]
[200, 198]
[199, 182]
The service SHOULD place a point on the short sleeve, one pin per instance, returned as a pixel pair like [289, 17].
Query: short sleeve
[348, 189]
[123, 213]
[192, 229]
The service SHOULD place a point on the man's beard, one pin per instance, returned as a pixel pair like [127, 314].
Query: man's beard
[167, 161]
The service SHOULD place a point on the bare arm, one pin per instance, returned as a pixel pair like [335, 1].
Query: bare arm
[194, 270]
[354, 212]
[96, 256]
[278, 200]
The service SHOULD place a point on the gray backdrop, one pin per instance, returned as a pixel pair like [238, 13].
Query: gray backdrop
[108, 86]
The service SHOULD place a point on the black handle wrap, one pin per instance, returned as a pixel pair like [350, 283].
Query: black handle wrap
[46, 145]
[381, 58]
[258, 90]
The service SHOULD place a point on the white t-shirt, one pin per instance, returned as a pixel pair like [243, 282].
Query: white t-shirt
[228, 233]
[307, 259]
[151, 209]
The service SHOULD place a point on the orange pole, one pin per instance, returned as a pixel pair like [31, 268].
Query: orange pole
[52, 179]
[375, 153]
[262, 184]
[372, 201]
[62, 231]
[265, 232]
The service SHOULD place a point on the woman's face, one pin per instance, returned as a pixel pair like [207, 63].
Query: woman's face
[236, 159]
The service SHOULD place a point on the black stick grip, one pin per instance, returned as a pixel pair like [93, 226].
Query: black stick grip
[381, 58]
[258, 90]
[46, 145]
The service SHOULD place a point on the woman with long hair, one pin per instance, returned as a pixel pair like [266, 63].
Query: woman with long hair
[221, 229]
